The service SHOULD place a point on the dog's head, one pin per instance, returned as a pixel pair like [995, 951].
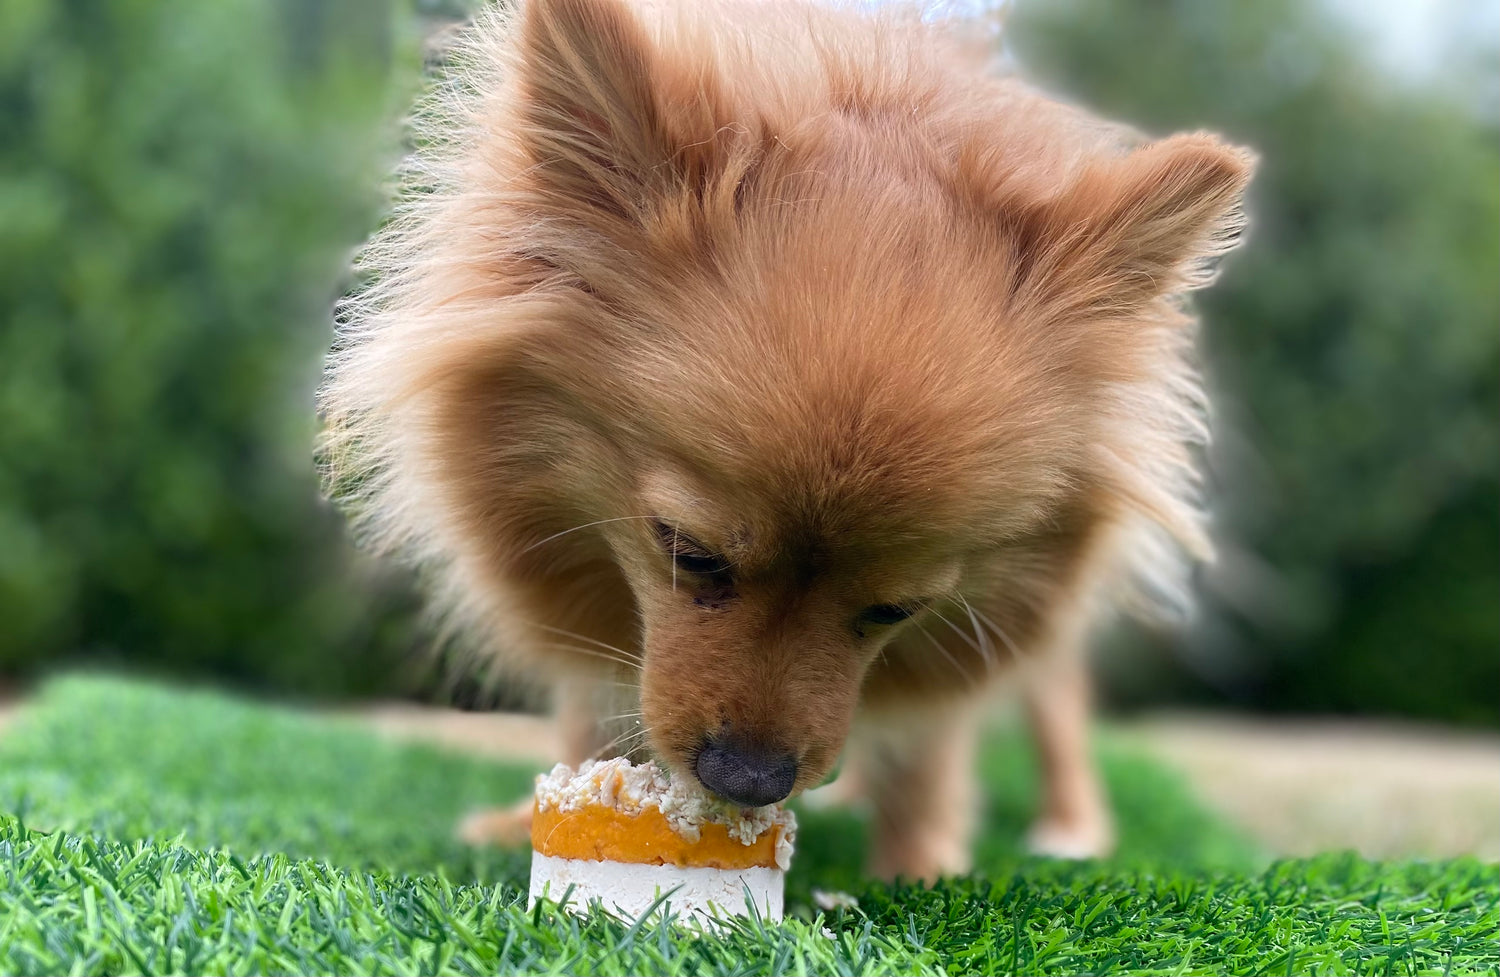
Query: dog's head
[812, 330]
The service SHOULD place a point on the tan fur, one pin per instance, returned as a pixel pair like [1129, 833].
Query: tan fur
[815, 289]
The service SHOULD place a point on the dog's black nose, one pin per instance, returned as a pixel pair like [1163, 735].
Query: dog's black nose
[746, 775]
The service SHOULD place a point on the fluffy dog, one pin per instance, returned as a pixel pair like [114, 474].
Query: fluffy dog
[772, 379]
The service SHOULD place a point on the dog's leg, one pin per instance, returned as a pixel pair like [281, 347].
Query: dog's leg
[847, 790]
[579, 705]
[918, 771]
[1074, 821]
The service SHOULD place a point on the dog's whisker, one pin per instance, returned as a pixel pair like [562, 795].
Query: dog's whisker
[968, 677]
[989, 646]
[1000, 633]
[623, 743]
[956, 629]
[629, 686]
[629, 733]
[593, 653]
[587, 525]
[593, 641]
[980, 645]
[1024, 663]
[634, 686]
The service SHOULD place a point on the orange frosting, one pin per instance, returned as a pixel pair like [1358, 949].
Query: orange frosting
[604, 834]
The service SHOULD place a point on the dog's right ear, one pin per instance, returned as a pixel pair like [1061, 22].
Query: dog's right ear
[607, 122]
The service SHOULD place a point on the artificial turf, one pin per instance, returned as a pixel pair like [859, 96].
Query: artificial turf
[154, 830]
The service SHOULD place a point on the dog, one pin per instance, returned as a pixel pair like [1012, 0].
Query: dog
[774, 380]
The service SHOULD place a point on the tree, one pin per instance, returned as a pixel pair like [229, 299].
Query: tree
[180, 186]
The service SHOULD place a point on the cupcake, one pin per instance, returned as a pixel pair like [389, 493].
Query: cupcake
[627, 835]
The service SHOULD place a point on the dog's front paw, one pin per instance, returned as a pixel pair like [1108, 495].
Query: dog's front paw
[503, 827]
[920, 856]
[1090, 838]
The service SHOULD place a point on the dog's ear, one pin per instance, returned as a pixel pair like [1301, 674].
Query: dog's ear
[1129, 230]
[608, 122]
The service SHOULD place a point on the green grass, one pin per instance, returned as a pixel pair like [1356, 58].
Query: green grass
[148, 830]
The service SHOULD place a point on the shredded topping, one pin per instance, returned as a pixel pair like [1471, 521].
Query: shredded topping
[622, 786]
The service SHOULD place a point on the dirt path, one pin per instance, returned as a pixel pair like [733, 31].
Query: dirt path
[1302, 786]
[503, 736]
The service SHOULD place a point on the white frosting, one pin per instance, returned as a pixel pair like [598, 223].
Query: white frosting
[622, 786]
[630, 889]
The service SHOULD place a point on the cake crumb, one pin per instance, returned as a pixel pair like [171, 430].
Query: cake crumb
[829, 901]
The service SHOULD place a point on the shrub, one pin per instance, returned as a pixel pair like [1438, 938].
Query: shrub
[1355, 340]
[180, 186]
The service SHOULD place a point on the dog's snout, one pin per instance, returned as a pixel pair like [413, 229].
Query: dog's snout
[746, 775]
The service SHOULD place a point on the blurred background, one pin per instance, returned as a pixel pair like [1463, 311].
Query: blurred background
[182, 185]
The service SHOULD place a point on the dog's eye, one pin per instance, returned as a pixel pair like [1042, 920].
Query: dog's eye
[886, 614]
[703, 566]
[690, 555]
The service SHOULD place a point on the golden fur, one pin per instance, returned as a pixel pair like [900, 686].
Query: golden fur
[815, 292]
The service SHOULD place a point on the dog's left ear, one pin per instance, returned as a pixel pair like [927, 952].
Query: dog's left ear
[1130, 230]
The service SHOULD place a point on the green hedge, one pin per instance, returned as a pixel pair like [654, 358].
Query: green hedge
[181, 183]
[1354, 339]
